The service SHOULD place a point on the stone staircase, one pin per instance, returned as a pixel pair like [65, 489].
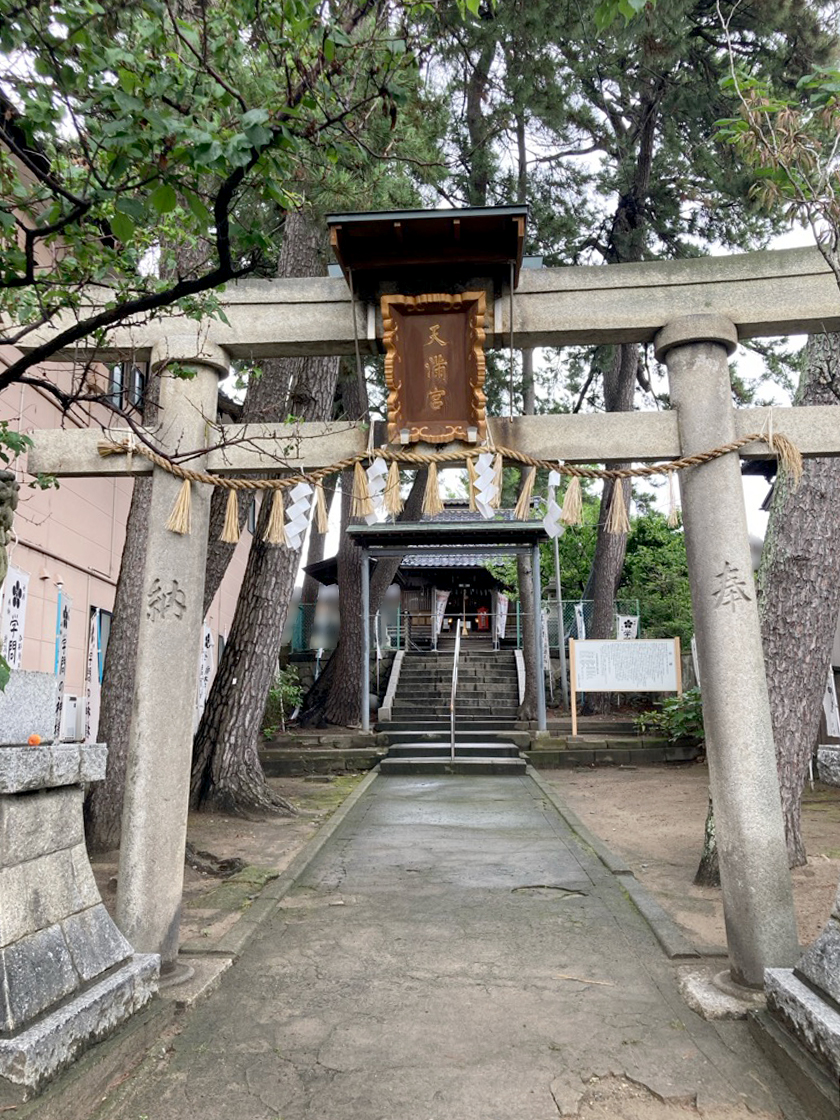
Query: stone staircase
[486, 706]
[487, 688]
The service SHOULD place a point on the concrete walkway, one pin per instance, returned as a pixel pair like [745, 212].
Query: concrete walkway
[453, 953]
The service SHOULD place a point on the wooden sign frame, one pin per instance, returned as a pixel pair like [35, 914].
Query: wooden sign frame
[573, 689]
[424, 426]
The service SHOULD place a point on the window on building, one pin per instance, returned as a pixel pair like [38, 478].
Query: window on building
[127, 384]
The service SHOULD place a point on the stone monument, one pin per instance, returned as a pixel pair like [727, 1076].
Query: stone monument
[69, 977]
[805, 1002]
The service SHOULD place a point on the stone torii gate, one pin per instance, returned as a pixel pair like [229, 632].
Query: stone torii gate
[694, 312]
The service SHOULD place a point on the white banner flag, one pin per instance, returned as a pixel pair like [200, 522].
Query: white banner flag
[546, 646]
[62, 625]
[15, 595]
[580, 622]
[441, 599]
[832, 714]
[93, 676]
[502, 605]
[694, 659]
[626, 626]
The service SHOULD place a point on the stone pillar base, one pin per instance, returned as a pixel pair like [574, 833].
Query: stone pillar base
[35, 1055]
[810, 1019]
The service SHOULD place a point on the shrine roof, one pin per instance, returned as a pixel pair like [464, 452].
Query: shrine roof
[501, 535]
[420, 246]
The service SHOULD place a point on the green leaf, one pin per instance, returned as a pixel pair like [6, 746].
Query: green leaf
[259, 136]
[254, 116]
[122, 227]
[128, 80]
[5, 673]
[163, 198]
[133, 207]
[197, 207]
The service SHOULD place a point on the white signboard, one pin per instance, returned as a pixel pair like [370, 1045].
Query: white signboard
[645, 665]
[15, 594]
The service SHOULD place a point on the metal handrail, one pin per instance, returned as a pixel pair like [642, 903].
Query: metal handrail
[452, 695]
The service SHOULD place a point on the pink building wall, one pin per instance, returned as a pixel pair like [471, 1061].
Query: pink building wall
[74, 536]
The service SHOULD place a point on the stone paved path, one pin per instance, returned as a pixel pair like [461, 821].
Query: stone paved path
[452, 954]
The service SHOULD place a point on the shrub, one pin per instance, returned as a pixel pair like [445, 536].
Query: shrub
[678, 717]
[283, 697]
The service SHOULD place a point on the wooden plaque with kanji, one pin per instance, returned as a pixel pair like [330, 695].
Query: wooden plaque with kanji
[434, 366]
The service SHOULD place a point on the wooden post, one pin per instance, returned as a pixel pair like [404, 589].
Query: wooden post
[573, 684]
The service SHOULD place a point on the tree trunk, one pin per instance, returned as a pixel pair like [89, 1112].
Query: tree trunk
[708, 873]
[480, 163]
[336, 696]
[104, 801]
[626, 242]
[610, 548]
[227, 773]
[799, 598]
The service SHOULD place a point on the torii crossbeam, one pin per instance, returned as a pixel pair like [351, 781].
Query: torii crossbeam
[694, 311]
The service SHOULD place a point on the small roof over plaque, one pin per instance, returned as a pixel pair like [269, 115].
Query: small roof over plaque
[428, 250]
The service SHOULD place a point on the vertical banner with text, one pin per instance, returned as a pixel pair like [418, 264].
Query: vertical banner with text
[62, 625]
[15, 595]
[502, 606]
[441, 599]
[93, 675]
[205, 672]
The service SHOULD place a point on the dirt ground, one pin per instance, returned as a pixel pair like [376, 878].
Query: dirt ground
[654, 818]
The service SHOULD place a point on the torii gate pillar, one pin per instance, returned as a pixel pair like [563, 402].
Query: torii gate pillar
[757, 893]
[151, 871]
